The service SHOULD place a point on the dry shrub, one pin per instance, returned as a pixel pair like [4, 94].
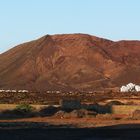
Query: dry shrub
[21, 111]
[48, 111]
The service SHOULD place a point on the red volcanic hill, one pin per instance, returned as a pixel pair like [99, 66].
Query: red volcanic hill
[70, 62]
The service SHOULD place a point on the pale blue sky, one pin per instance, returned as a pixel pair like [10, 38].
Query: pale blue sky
[25, 20]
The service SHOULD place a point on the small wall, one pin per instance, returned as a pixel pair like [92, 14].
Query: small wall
[124, 109]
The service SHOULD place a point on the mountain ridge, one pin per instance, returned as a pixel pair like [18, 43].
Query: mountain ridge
[70, 62]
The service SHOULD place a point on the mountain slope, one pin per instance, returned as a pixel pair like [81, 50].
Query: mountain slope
[70, 62]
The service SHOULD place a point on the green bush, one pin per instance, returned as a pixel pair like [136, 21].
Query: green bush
[23, 109]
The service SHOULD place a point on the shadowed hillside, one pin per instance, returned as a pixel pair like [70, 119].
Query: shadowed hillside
[70, 62]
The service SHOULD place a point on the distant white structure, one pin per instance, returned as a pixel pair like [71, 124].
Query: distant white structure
[23, 91]
[1, 90]
[13, 91]
[137, 88]
[124, 89]
[130, 88]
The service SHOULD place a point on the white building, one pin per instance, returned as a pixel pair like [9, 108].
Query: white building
[130, 88]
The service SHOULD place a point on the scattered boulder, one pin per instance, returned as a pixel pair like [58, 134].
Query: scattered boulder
[82, 113]
[75, 114]
[60, 114]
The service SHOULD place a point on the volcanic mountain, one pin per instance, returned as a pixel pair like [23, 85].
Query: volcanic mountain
[70, 62]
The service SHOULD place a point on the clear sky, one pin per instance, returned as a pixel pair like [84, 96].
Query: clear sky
[25, 20]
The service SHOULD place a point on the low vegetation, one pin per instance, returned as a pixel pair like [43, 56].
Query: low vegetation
[24, 109]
